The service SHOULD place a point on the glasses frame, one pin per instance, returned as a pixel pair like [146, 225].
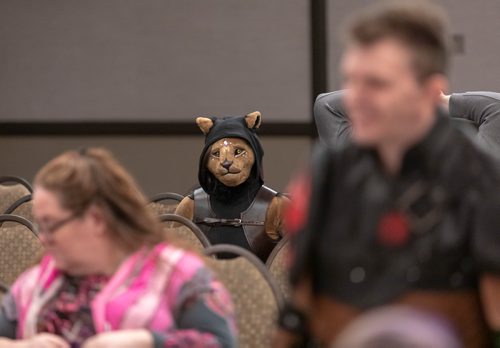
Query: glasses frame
[50, 230]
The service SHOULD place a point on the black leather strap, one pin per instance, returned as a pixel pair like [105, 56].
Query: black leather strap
[259, 241]
[228, 222]
[202, 209]
[252, 220]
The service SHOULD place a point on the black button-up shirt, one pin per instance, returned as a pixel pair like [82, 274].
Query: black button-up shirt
[369, 237]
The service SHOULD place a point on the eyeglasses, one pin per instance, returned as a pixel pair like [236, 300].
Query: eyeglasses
[52, 228]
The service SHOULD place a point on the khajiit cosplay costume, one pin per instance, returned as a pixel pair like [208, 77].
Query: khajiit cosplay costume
[234, 215]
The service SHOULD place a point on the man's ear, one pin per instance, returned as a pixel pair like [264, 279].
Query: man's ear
[205, 124]
[437, 85]
[253, 120]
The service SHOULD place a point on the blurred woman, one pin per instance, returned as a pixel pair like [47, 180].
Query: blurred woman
[108, 277]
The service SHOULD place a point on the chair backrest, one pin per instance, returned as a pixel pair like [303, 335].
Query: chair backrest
[185, 230]
[12, 188]
[277, 264]
[160, 208]
[255, 295]
[22, 207]
[167, 196]
[20, 247]
[16, 180]
[165, 203]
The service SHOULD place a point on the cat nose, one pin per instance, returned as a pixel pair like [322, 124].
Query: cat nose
[227, 164]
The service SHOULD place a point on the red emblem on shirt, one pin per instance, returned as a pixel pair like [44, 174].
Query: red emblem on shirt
[298, 210]
[393, 229]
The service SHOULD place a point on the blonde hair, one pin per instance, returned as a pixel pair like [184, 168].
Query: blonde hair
[94, 177]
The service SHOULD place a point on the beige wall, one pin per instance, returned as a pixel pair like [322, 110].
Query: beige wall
[159, 163]
[153, 59]
[170, 163]
[476, 69]
[159, 60]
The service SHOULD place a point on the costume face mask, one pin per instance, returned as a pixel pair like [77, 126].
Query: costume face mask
[230, 160]
[232, 153]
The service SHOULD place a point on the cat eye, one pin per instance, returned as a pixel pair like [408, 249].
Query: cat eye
[238, 151]
[216, 153]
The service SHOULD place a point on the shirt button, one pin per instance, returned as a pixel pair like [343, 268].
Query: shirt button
[467, 265]
[357, 275]
[456, 279]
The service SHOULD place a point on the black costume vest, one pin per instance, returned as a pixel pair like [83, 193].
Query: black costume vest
[251, 222]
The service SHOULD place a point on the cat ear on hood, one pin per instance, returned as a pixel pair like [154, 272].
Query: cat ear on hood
[205, 124]
[253, 120]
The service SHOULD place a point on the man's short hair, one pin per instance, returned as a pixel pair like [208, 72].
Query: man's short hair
[421, 26]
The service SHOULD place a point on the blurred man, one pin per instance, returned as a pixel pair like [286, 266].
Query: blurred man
[406, 212]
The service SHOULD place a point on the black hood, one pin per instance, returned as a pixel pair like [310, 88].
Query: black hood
[230, 127]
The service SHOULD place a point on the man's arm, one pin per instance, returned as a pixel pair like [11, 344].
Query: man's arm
[482, 109]
[331, 119]
[490, 296]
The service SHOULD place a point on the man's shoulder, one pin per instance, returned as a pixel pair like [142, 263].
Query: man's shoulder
[329, 102]
[468, 160]
[339, 158]
[462, 139]
[327, 97]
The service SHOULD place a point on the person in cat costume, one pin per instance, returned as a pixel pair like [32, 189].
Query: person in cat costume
[233, 206]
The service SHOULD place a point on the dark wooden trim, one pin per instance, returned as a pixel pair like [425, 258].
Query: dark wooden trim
[319, 46]
[118, 128]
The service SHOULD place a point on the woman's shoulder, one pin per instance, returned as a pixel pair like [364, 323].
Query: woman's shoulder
[38, 275]
[180, 261]
[186, 273]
